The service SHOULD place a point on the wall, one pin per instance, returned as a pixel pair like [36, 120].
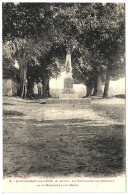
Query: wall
[9, 87]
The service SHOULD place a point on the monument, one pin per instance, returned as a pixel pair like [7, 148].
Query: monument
[67, 91]
[67, 95]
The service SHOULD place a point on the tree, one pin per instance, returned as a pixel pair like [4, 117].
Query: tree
[22, 40]
[104, 45]
[92, 32]
[25, 52]
[112, 44]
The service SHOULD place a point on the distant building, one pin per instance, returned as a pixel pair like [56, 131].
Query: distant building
[9, 87]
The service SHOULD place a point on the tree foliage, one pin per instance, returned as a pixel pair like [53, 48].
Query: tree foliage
[42, 33]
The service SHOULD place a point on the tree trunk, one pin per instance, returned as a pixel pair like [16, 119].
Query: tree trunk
[44, 89]
[89, 90]
[95, 88]
[98, 85]
[48, 88]
[23, 75]
[106, 88]
[20, 62]
[21, 80]
[24, 88]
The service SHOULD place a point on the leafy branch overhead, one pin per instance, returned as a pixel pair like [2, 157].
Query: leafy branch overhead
[41, 34]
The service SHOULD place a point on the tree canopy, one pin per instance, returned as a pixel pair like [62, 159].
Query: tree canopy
[41, 33]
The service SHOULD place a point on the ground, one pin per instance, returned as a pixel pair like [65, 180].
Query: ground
[51, 140]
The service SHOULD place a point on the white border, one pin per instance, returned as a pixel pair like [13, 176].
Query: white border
[72, 1]
[55, 1]
[1, 124]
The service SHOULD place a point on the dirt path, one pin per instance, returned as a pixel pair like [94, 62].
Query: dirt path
[41, 139]
[33, 110]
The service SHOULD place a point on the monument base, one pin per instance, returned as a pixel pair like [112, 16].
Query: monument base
[68, 96]
[67, 91]
[77, 101]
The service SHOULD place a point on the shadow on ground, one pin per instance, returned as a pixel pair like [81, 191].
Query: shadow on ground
[8, 104]
[63, 147]
[12, 113]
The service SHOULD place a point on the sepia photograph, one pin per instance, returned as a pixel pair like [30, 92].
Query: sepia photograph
[63, 88]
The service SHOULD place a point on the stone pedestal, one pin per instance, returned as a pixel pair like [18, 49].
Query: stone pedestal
[68, 83]
[67, 91]
[68, 86]
[68, 96]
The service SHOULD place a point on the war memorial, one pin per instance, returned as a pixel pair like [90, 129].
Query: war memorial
[67, 95]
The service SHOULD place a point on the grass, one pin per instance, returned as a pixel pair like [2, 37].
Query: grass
[113, 111]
